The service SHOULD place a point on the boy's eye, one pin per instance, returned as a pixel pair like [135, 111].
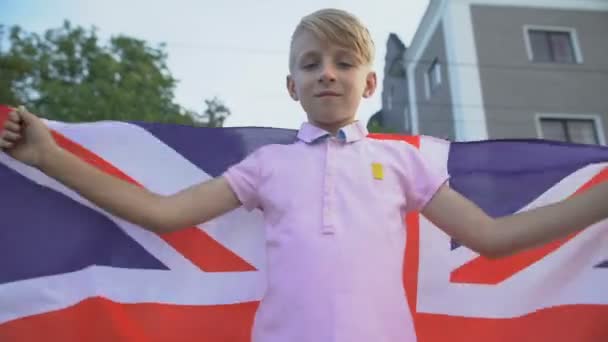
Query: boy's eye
[307, 66]
[345, 64]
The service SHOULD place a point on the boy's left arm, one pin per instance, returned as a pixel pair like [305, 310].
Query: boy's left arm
[468, 224]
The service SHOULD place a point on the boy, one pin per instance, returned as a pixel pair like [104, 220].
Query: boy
[333, 201]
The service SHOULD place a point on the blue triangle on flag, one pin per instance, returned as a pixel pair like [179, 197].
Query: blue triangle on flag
[46, 233]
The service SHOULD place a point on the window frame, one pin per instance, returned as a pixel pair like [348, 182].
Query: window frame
[595, 118]
[428, 75]
[576, 49]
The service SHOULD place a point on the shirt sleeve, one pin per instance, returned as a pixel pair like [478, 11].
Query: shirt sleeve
[244, 179]
[422, 181]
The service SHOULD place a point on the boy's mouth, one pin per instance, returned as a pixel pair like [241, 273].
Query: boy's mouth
[327, 93]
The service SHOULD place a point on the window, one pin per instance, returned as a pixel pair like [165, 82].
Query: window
[548, 45]
[433, 77]
[582, 131]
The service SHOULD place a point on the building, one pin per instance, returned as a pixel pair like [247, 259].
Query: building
[394, 91]
[498, 69]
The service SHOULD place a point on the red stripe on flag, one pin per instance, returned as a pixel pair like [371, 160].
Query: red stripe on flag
[569, 323]
[411, 139]
[99, 319]
[4, 111]
[196, 245]
[482, 270]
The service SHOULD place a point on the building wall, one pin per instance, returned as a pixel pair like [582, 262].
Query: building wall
[435, 116]
[515, 90]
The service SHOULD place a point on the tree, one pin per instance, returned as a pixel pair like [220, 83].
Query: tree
[376, 125]
[11, 70]
[215, 114]
[67, 75]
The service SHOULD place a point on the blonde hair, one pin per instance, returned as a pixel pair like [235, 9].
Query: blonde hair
[337, 27]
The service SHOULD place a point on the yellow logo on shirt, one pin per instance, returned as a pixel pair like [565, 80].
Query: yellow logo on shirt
[377, 171]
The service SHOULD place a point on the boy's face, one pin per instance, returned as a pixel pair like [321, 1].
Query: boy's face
[328, 80]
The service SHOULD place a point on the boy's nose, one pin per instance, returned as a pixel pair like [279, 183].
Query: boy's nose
[327, 74]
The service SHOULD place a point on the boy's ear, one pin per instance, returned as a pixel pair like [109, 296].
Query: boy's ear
[371, 82]
[291, 87]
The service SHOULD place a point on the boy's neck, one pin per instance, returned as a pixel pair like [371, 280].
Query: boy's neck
[333, 127]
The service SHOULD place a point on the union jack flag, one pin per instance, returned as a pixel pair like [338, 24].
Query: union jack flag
[69, 271]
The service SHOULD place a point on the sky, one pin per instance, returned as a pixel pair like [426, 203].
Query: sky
[235, 50]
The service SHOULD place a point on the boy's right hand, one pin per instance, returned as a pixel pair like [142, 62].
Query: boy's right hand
[26, 138]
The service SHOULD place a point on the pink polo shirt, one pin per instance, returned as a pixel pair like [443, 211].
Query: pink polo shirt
[335, 234]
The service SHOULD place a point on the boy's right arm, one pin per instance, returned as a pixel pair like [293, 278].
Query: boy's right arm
[154, 212]
[33, 145]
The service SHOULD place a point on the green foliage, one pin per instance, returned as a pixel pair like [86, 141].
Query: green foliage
[68, 75]
[215, 114]
[373, 126]
[11, 70]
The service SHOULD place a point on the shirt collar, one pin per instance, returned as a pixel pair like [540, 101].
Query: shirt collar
[352, 132]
